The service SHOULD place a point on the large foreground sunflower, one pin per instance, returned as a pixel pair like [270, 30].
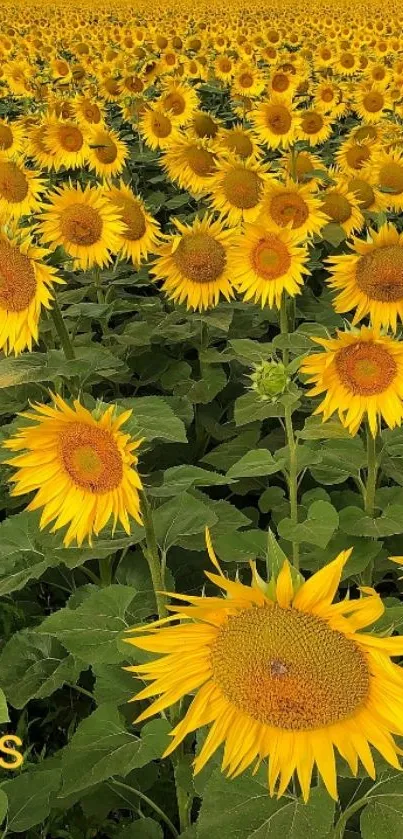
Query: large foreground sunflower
[194, 263]
[81, 466]
[278, 672]
[370, 280]
[361, 374]
[25, 286]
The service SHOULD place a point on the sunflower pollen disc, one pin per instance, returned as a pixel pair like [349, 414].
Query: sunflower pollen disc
[379, 274]
[242, 188]
[81, 224]
[240, 144]
[17, 279]
[133, 218]
[278, 119]
[337, 207]
[363, 191]
[107, 153]
[200, 161]
[373, 101]
[200, 257]
[312, 123]
[13, 183]
[71, 138]
[289, 669]
[289, 207]
[271, 258]
[365, 369]
[161, 126]
[357, 155]
[91, 457]
[6, 137]
[390, 177]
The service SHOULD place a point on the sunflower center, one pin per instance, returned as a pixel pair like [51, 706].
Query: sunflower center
[347, 60]
[133, 217]
[356, 156]
[204, 126]
[270, 258]
[200, 161]
[91, 457]
[107, 151]
[365, 369]
[363, 191]
[280, 82]
[337, 207]
[278, 119]
[373, 101]
[365, 132]
[200, 257]
[13, 183]
[225, 65]
[379, 274]
[17, 279]
[288, 669]
[81, 224]
[239, 143]
[175, 102]
[327, 95]
[391, 177]
[6, 137]
[161, 126]
[91, 112]
[288, 207]
[245, 80]
[312, 123]
[242, 188]
[71, 138]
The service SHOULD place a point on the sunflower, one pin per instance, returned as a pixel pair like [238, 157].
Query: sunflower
[37, 147]
[388, 171]
[179, 101]
[314, 126]
[355, 153]
[66, 144]
[292, 204]
[362, 375]
[327, 94]
[11, 138]
[236, 189]
[25, 286]
[275, 122]
[81, 465]
[371, 279]
[224, 68]
[278, 672]
[190, 162]
[84, 222]
[302, 166]
[342, 206]
[363, 186]
[88, 112]
[158, 128]
[248, 81]
[203, 125]
[268, 261]
[140, 234]
[20, 189]
[107, 153]
[371, 102]
[194, 263]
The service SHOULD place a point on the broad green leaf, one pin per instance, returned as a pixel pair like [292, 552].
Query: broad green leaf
[3, 805]
[317, 529]
[383, 816]
[226, 454]
[94, 631]
[181, 516]
[251, 352]
[113, 684]
[34, 666]
[102, 747]
[354, 521]
[153, 418]
[297, 820]
[238, 807]
[248, 408]
[333, 233]
[4, 716]
[255, 463]
[316, 429]
[144, 828]
[29, 797]
[180, 478]
[212, 382]
[45, 367]
[240, 545]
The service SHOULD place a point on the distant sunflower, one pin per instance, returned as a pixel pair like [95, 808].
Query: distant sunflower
[25, 286]
[268, 261]
[66, 144]
[248, 81]
[224, 68]
[179, 101]
[203, 125]
[371, 102]
[83, 222]
[278, 672]
[342, 207]
[190, 162]
[314, 126]
[292, 204]
[370, 280]
[302, 166]
[236, 189]
[275, 122]
[88, 112]
[107, 153]
[11, 138]
[158, 128]
[368, 195]
[140, 234]
[388, 171]
[362, 375]
[36, 145]
[20, 189]
[81, 466]
[353, 154]
[240, 141]
[194, 263]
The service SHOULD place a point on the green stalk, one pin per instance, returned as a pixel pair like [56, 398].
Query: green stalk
[284, 326]
[147, 800]
[369, 496]
[61, 330]
[292, 476]
[340, 827]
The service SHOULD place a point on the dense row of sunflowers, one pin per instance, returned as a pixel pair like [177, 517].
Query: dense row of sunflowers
[284, 140]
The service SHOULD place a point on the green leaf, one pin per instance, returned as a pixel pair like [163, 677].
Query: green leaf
[317, 529]
[297, 820]
[144, 828]
[4, 716]
[315, 429]
[333, 233]
[383, 816]
[113, 684]
[226, 454]
[212, 382]
[153, 418]
[255, 463]
[29, 797]
[94, 631]
[34, 666]
[354, 521]
[250, 352]
[180, 478]
[3, 805]
[45, 367]
[238, 808]
[102, 747]
[248, 408]
[184, 515]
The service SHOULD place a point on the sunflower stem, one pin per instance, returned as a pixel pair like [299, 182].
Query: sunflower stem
[369, 496]
[163, 816]
[151, 553]
[292, 478]
[61, 330]
[340, 827]
[284, 326]
[98, 286]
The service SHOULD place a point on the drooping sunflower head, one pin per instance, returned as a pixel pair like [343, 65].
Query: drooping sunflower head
[204, 125]
[360, 373]
[190, 162]
[236, 190]
[194, 263]
[279, 672]
[81, 466]
[140, 234]
[370, 280]
[342, 207]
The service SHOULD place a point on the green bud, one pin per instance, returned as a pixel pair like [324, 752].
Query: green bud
[269, 380]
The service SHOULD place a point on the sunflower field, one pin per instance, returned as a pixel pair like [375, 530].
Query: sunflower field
[201, 399]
